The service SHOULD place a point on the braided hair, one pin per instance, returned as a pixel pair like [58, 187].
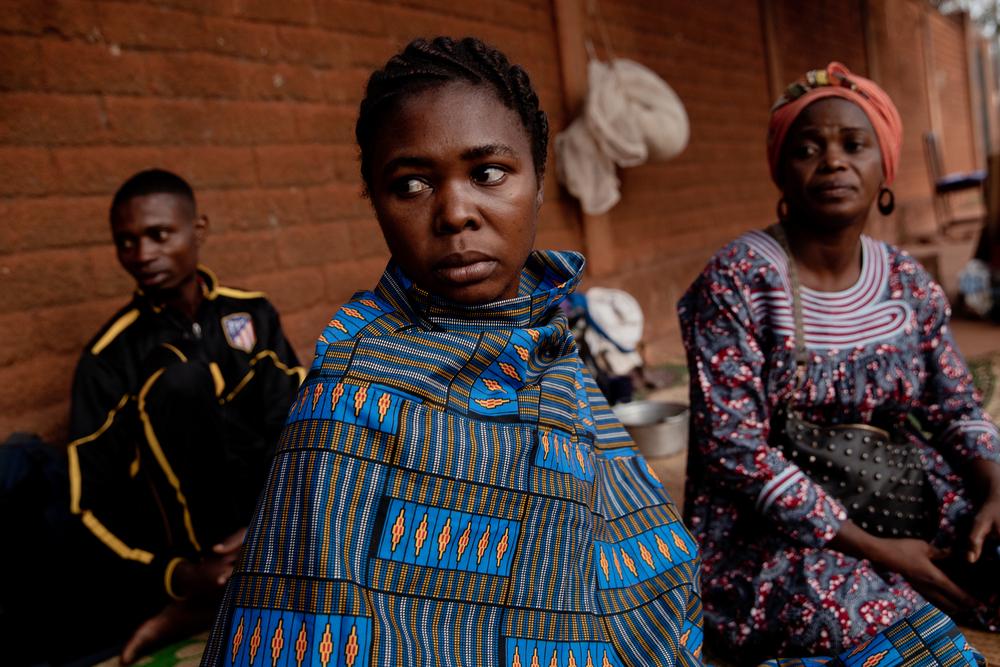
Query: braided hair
[425, 64]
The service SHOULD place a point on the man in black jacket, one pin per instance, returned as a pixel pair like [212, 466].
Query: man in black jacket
[177, 405]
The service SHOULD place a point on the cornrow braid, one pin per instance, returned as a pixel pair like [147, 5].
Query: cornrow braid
[425, 64]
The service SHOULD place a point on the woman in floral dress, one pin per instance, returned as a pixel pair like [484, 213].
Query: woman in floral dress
[784, 569]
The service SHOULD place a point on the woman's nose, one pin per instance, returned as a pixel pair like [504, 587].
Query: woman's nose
[834, 157]
[457, 208]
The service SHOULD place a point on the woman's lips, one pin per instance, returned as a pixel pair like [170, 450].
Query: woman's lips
[464, 274]
[465, 268]
[834, 191]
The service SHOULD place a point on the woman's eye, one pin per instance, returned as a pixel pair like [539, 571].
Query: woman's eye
[410, 186]
[160, 235]
[125, 244]
[489, 175]
[804, 151]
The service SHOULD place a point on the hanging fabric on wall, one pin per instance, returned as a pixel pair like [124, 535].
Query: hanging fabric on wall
[631, 116]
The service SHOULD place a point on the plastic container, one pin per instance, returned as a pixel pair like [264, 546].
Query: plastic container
[659, 428]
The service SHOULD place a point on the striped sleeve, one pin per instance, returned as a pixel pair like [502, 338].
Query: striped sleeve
[952, 406]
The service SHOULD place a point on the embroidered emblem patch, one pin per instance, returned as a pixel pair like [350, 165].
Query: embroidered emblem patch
[239, 331]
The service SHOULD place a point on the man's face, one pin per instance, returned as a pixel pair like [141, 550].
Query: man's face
[157, 237]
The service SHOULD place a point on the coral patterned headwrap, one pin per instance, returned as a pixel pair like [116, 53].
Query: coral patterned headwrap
[837, 81]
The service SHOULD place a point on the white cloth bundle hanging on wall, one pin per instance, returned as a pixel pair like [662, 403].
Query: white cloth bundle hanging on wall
[631, 116]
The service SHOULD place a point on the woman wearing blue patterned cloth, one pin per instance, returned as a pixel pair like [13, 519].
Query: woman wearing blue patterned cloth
[822, 511]
[450, 487]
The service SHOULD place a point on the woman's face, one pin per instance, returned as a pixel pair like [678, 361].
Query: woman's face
[455, 192]
[831, 164]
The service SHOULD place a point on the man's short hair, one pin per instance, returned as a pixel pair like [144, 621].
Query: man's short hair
[150, 182]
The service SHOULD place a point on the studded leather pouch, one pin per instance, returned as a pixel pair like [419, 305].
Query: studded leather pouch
[881, 482]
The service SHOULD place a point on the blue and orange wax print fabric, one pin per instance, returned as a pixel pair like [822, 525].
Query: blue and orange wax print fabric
[452, 489]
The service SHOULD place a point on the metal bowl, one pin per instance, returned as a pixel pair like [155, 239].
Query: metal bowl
[659, 428]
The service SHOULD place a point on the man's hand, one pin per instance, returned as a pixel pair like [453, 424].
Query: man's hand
[231, 545]
[210, 574]
[201, 585]
[176, 621]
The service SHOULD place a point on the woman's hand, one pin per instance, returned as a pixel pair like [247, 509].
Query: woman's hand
[913, 559]
[916, 561]
[986, 481]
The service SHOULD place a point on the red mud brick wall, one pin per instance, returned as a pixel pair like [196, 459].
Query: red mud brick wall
[910, 37]
[674, 215]
[951, 78]
[254, 102]
[830, 30]
[899, 27]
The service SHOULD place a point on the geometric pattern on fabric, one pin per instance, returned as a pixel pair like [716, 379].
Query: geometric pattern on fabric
[439, 443]
[351, 319]
[877, 651]
[494, 393]
[557, 451]
[282, 638]
[564, 404]
[433, 537]
[692, 639]
[583, 405]
[926, 638]
[525, 652]
[550, 569]
[644, 556]
[771, 583]
[371, 405]
[443, 477]
[653, 630]
[295, 539]
[421, 527]
[924, 635]
[628, 483]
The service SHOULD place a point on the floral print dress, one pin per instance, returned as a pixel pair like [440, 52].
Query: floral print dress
[770, 583]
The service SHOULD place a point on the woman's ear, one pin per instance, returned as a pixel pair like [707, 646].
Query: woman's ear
[779, 177]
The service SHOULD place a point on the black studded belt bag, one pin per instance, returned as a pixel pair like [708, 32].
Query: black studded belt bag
[879, 479]
[881, 483]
